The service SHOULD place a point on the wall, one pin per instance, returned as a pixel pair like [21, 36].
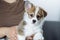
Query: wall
[51, 6]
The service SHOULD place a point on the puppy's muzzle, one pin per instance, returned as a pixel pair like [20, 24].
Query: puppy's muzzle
[34, 21]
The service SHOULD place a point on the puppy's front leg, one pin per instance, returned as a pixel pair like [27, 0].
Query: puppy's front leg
[38, 36]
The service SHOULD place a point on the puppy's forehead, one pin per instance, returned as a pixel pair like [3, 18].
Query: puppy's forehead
[37, 10]
[32, 9]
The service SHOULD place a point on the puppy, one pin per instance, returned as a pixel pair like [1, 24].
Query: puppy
[32, 22]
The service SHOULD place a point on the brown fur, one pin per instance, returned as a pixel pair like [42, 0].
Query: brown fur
[44, 12]
[41, 11]
[32, 9]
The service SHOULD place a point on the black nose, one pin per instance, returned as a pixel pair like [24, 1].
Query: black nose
[34, 21]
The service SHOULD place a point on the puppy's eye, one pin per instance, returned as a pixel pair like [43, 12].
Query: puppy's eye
[31, 15]
[38, 16]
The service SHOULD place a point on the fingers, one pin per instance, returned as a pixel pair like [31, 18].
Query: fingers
[12, 35]
[29, 38]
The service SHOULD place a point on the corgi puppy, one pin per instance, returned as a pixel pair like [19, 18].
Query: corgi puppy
[32, 22]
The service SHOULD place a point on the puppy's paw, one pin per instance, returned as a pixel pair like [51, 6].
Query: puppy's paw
[38, 36]
[41, 38]
[29, 38]
[20, 37]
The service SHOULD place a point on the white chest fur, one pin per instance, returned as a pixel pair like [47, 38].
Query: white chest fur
[30, 29]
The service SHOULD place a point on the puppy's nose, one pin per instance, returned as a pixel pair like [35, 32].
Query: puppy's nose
[34, 21]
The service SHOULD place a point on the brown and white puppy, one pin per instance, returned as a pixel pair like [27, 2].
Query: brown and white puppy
[32, 22]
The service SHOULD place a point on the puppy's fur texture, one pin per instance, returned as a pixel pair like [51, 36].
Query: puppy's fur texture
[32, 22]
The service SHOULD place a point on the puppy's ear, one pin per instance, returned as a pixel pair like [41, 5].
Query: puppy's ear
[28, 5]
[44, 12]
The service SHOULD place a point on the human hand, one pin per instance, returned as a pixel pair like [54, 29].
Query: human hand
[12, 34]
[9, 32]
[29, 37]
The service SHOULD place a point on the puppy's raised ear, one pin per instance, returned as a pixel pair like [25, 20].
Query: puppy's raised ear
[44, 12]
[29, 6]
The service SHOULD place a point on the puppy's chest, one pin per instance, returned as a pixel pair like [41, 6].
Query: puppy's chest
[31, 29]
[28, 28]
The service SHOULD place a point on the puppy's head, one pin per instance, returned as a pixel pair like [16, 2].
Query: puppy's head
[34, 14]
